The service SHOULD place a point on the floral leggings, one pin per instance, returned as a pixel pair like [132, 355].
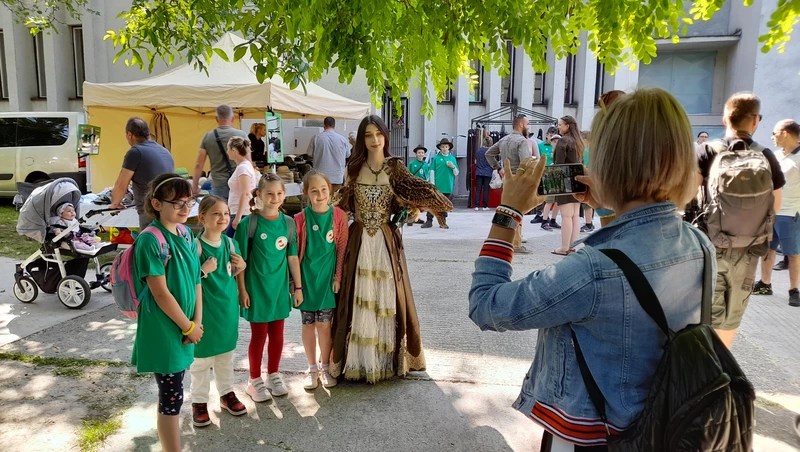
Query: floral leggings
[170, 393]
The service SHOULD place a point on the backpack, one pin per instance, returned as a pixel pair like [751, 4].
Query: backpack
[291, 226]
[699, 400]
[740, 212]
[123, 289]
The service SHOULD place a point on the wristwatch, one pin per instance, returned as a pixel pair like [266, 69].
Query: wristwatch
[505, 221]
[203, 274]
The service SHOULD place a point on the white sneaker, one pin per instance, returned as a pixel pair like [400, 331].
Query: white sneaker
[485, 209]
[476, 209]
[312, 379]
[257, 391]
[327, 379]
[275, 384]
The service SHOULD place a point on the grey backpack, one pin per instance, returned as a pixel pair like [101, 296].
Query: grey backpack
[739, 212]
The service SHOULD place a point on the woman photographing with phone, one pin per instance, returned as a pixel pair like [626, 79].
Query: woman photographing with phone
[568, 150]
[586, 294]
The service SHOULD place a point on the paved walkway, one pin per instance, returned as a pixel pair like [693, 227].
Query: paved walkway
[461, 403]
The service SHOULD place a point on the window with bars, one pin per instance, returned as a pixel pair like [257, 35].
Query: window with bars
[569, 84]
[38, 58]
[3, 71]
[599, 82]
[507, 84]
[77, 52]
[476, 90]
[538, 86]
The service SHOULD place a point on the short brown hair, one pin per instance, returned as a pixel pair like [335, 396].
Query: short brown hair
[790, 126]
[741, 107]
[643, 150]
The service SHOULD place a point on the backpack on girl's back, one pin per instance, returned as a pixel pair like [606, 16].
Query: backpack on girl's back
[220, 264]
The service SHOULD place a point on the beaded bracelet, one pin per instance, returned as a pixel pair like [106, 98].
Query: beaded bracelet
[513, 213]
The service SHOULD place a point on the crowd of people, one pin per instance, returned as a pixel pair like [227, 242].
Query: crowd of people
[665, 210]
[250, 260]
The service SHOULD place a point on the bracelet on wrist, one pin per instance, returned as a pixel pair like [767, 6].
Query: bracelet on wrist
[189, 331]
[298, 288]
[511, 209]
[502, 210]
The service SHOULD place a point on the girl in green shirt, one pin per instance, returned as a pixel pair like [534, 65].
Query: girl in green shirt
[322, 242]
[170, 317]
[220, 265]
[264, 294]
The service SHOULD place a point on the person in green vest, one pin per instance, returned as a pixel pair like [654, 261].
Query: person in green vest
[322, 235]
[546, 146]
[221, 263]
[265, 295]
[170, 316]
[444, 169]
[419, 168]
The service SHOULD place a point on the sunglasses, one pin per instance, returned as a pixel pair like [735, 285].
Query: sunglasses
[760, 117]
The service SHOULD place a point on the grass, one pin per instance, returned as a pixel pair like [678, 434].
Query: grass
[94, 432]
[12, 244]
[67, 367]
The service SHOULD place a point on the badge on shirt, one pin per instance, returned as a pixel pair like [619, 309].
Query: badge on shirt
[280, 244]
[263, 236]
[315, 228]
[230, 269]
[329, 236]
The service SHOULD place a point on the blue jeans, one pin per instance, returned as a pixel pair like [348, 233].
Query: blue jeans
[222, 192]
[786, 233]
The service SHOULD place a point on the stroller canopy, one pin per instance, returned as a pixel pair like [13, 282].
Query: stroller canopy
[41, 205]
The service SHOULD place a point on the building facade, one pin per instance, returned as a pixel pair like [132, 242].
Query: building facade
[716, 59]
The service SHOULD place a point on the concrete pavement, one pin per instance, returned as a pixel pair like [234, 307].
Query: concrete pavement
[461, 403]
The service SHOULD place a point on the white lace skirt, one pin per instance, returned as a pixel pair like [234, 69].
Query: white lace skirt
[371, 343]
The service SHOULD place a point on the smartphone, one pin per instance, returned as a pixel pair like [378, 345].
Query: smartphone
[561, 180]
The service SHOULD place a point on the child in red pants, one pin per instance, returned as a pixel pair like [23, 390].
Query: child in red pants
[264, 295]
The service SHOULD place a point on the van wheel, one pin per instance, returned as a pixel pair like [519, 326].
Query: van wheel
[73, 292]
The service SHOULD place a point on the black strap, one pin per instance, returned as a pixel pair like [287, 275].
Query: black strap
[649, 301]
[252, 224]
[224, 153]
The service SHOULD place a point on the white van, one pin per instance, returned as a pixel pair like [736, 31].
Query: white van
[36, 146]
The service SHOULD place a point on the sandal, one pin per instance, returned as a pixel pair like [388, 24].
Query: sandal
[572, 250]
[559, 254]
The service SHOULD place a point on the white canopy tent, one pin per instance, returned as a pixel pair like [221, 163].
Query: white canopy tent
[180, 105]
[227, 82]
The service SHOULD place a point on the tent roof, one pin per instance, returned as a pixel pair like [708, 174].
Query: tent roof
[231, 83]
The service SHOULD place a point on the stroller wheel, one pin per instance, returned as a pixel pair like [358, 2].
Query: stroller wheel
[105, 273]
[25, 289]
[73, 292]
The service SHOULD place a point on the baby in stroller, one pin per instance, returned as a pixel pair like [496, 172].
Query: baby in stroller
[83, 239]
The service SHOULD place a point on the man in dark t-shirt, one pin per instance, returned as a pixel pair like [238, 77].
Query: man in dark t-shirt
[145, 160]
[736, 268]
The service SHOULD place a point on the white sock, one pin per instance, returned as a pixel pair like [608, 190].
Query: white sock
[312, 368]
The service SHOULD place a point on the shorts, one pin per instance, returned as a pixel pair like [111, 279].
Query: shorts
[550, 199]
[786, 233]
[321, 316]
[170, 393]
[735, 277]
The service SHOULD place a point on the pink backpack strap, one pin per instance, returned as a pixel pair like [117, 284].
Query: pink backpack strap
[162, 241]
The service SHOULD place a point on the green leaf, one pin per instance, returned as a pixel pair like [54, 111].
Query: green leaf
[238, 53]
[221, 53]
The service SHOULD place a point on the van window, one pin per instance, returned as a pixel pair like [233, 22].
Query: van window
[8, 132]
[42, 131]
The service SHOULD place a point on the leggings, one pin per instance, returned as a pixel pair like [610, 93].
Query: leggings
[170, 393]
[259, 333]
[482, 188]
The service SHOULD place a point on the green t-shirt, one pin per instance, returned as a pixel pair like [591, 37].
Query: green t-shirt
[419, 169]
[220, 302]
[319, 262]
[158, 346]
[444, 174]
[547, 151]
[267, 274]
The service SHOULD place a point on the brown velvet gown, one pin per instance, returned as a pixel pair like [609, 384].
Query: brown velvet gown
[376, 332]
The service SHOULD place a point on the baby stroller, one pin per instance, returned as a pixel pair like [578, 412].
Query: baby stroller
[46, 269]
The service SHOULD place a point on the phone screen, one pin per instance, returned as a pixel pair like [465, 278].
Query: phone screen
[561, 180]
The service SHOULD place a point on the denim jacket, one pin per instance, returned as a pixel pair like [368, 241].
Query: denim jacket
[587, 292]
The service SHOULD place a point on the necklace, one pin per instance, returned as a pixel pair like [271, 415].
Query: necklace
[376, 173]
